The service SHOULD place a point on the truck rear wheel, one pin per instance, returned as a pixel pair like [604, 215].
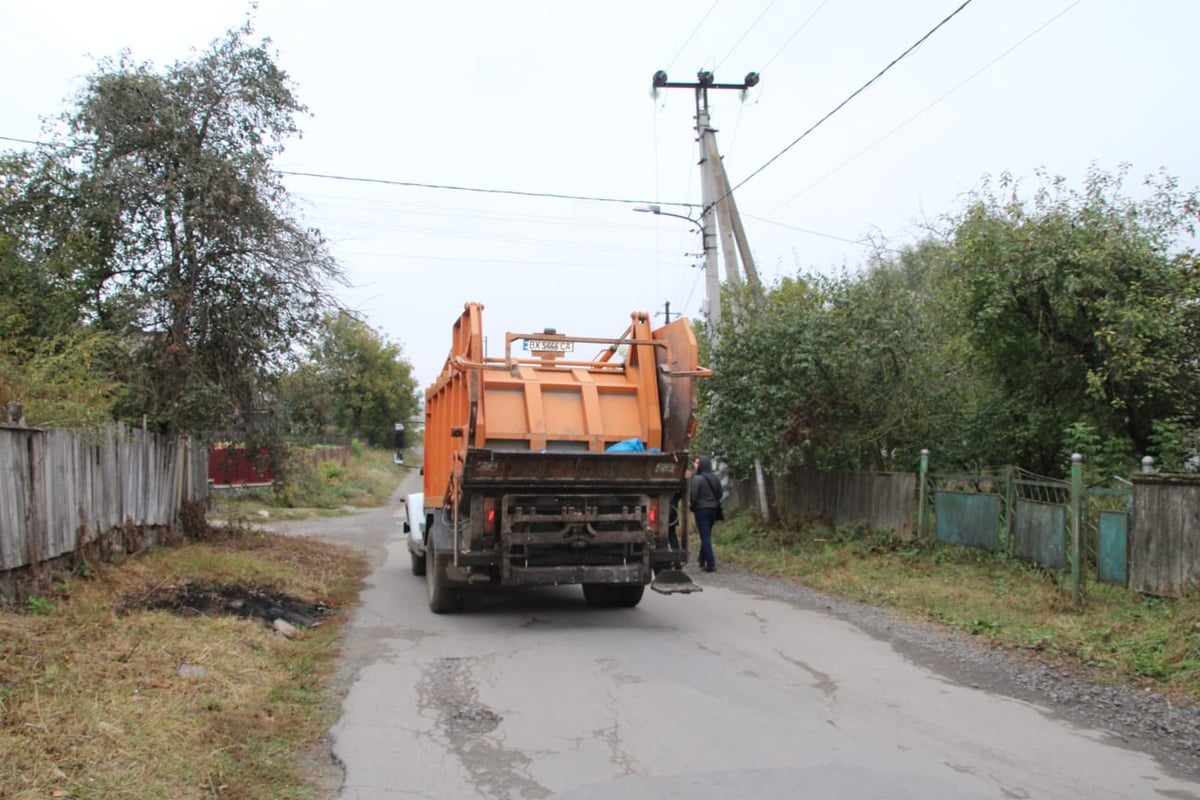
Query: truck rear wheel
[443, 597]
[613, 595]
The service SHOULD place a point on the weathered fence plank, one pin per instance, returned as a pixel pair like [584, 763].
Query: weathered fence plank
[14, 483]
[61, 489]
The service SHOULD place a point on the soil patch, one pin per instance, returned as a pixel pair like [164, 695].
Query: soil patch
[213, 599]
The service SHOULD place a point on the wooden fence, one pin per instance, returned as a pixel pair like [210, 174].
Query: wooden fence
[1163, 533]
[63, 489]
[1164, 541]
[882, 500]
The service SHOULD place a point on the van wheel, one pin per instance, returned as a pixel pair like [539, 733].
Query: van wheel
[443, 597]
[613, 595]
[418, 563]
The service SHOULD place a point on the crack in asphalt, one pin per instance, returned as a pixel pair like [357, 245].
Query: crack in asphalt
[447, 689]
[824, 681]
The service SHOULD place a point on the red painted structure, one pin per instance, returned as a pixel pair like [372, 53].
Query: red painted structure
[231, 466]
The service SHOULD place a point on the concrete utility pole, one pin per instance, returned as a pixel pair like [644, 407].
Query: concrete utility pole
[719, 205]
[714, 189]
[666, 312]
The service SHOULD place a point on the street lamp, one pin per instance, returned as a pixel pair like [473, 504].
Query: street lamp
[709, 253]
[655, 209]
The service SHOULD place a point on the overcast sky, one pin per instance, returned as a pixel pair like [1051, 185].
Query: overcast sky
[554, 97]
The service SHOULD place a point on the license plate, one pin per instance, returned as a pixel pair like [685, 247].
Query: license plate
[549, 346]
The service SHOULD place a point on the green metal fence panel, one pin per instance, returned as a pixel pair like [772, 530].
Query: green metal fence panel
[1108, 517]
[968, 519]
[1040, 533]
[1112, 548]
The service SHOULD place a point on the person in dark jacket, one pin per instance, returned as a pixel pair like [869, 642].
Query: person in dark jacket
[705, 490]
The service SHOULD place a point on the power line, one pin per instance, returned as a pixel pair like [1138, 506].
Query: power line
[746, 33]
[853, 95]
[22, 141]
[692, 35]
[695, 282]
[803, 25]
[809, 231]
[622, 264]
[480, 190]
[446, 187]
[340, 203]
[461, 235]
[905, 123]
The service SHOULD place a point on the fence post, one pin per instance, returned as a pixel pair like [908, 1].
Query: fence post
[924, 470]
[1010, 477]
[1076, 530]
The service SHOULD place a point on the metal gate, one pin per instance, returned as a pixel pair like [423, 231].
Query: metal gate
[1039, 524]
[1028, 516]
[1108, 514]
[970, 509]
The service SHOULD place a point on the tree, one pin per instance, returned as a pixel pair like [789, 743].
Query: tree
[353, 379]
[854, 371]
[178, 235]
[35, 303]
[752, 398]
[1025, 333]
[903, 378]
[62, 382]
[1084, 307]
[50, 362]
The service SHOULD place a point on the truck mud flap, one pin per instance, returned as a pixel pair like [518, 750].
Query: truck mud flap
[674, 581]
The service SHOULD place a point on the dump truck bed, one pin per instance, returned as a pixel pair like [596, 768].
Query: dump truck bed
[522, 484]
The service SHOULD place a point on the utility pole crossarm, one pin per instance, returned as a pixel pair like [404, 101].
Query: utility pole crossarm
[704, 81]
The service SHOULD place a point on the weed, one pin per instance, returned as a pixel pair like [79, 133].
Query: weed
[977, 627]
[38, 605]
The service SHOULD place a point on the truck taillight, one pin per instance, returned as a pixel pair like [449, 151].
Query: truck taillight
[489, 516]
[653, 515]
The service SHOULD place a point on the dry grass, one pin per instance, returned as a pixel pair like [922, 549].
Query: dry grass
[93, 703]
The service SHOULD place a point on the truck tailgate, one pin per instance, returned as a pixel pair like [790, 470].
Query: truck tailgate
[515, 470]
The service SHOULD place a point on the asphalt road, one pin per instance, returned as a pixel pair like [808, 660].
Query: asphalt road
[728, 693]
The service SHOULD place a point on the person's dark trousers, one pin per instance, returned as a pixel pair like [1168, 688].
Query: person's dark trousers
[705, 519]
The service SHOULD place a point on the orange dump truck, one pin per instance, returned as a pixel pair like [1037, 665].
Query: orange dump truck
[545, 468]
